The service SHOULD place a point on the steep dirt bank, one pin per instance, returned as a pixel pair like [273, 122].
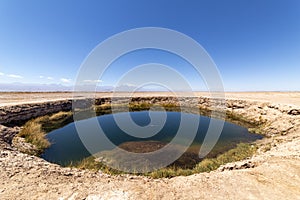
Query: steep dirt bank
[276, 174]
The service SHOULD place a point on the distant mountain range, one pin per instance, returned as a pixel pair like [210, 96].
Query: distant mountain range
[31, 87]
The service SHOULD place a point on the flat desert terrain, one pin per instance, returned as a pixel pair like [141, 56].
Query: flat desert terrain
[13, 98]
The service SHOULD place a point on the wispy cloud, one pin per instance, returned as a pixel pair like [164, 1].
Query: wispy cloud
[1, 74]
[92, 81]
[65, 80]
[129, 85]
[48, 78]
[14, 76]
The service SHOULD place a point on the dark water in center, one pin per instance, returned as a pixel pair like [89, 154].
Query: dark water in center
[67, 147]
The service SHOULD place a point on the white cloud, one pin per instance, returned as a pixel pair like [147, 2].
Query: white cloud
[48, 78]
[92, 81]
[129, 85]
[1, 74]
[65, 80]
[14, 76]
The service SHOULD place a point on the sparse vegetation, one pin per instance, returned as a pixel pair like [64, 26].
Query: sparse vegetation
[134, 106]
[240, 152]
[34, 134]
[102, 109]
[139, 106]
[34, 131]
[90, 164]
[55, 121]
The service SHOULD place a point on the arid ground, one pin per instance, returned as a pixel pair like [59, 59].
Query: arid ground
[13, 98]
[275, 173]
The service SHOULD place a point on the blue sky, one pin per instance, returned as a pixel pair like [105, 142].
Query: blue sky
[255, 44]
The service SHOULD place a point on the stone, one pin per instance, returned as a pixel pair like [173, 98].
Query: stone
[294, 112]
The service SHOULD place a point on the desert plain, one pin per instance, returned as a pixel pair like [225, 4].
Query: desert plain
[270, 174]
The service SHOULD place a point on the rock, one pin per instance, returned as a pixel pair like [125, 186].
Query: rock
[294, 112]
[20, 113]
[21, 145]
[7, 134]
[237, 165]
